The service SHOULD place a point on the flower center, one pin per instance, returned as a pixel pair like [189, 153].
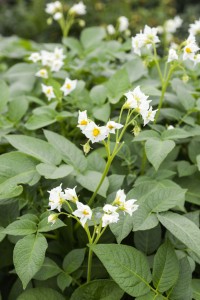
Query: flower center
[96, 132]
[84, 122]
[85, 212]
[188, 50]
[68, 86]
[110, 127]
[48, 91]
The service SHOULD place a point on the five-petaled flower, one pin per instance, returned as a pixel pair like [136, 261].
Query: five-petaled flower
[83, 212]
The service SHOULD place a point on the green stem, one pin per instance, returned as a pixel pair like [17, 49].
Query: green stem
[157, 64]
[90, 254]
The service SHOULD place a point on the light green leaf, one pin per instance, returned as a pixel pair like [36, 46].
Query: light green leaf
[21, 227]
[122, 228]
[115, 183]
[144, 135]
[91, 37]
[196, 289]
[102, 113]
[73, 260]
[2, 234]
[96, 162]
[16, 168]
[90, 181]
[182, 289]
[73, 44]
[183, 229]
[64, 280]
[132, 66]
[17, 108]
[117, 85]
[127, 266]
[175, 134]
[165, 267]
[44, 226]
[29, 254]
[157, 151]
[41, 293]
[183, 93]
[53, 172]
[49, 269]
[98, 94]
[70, 153]
[185, 168]
[37, 148]
[101, 289]
[39, 121]
[4, 95]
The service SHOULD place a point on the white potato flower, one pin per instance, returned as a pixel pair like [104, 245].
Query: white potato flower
[95, 133]
[150, 36]
[172, 55]
[172, 25]
[112, 126]
[190, 48]
[195, 28]
[56, 198]
[52, 8]
[56, 65]
[137, 43]
[135, 99]
[83, 120]
[126, 206]
[70, 194]
[42, 73]
[57, 16]
[48, 91]
[83, 212]
[110, 29]
[110, 215]
[148, 115]
[123, 23]
[68, 86]
[35, 57]
[78, 9]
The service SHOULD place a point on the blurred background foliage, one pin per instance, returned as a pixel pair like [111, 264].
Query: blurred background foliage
[27, 18]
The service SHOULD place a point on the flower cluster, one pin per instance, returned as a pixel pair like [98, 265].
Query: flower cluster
[68, 86]
[55, 10]
[52, 61]
[146, 38]
[84, 213]
[137, 100]
[94, 132]
[78, 9]
[170, 27]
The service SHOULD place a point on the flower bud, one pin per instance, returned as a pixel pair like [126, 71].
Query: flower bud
[52, 218]
[185, 78]
[86, 147]
[136, 130]
[81, 23]
[49, 21]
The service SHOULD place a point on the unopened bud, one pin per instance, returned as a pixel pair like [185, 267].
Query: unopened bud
[49, 21]
[185, 78]
[136, 130]
[86, 147]
[81, 23]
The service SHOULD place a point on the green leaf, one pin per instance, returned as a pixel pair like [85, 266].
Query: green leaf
[73, 260]
[16, 168]
[37, 148]
[49, 269]
[53, 172]
[101, 289]
[185, 168]
[2, 234]
[157, 151]
[4, 95]
[196, 289]
[96, 162]
[44, 226]
[198, 161]
[117, 85]
[183, 229]
[91, 37]
[148, 241]
[39, 121]
[183, 93]
[90, 181]
[182, 289]
[102, 113]
[127, 266]
[21, 78]
[132, 66]
[64, 280]
[145, 135]
[115, 182]
[21, 227]
[29, 254]
[73, 44]
[70, 153]
[165, 267]
[98, 94]
[40, 293]
[151, 296]
[175, 134]
[17, 108]
[122, 228]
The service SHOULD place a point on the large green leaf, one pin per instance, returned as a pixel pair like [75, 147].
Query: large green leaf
[4, 95]
[157, 151]
[53, 172]
[127, 266]
[17, 108]
[16, 168]
[148, 241]
[44, 226]
[91, 37]
[69, 152]
[132, 66]
[123, 227]
[101, 289]
[37, 148]
[39, 121]
[49, 269]
[183, 229]
[28, 257]
[73, 260]
[165, 267]
[90, 181]
[40, 293]
[21, 227]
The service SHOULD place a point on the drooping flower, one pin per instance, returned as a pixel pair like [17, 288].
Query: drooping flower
[56, 198]
[70, 194]
[42, 73]
[48, 91]
[123, 23]
[112, 126]
[95, 133]
[83, 120]
[78, 9]
[68, 86]
[110, 215]
[83, 212]
[172, 55]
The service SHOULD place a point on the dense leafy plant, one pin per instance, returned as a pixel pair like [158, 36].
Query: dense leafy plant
[99, 191]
